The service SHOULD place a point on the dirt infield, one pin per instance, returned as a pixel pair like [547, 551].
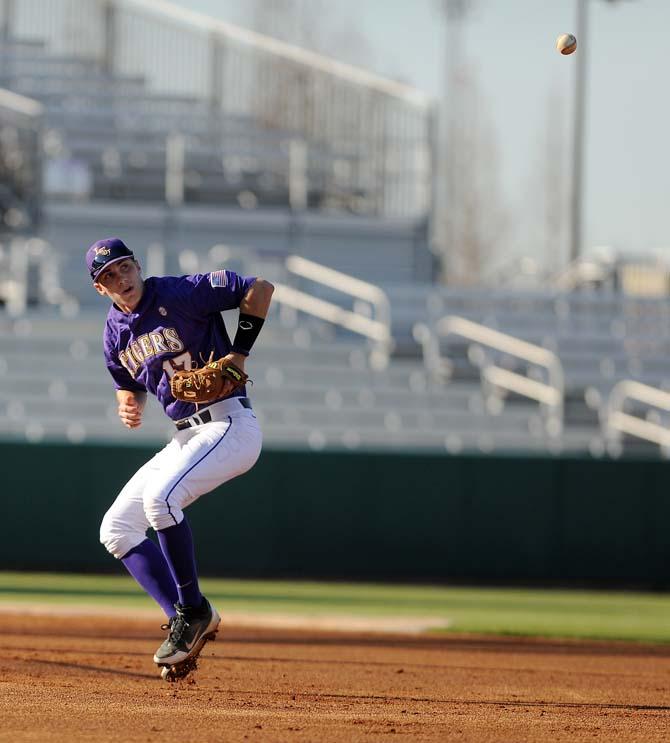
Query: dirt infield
[92, 679]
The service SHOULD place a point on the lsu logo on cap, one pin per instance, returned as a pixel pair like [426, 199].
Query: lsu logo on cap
[103, 250]
[218, 279]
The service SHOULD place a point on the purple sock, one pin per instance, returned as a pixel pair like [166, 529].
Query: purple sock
[150, 569]
[177, 545]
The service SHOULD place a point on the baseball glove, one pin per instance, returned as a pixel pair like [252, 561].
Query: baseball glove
[207, 383]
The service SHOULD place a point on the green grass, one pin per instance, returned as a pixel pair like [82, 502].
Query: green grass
[553, 613]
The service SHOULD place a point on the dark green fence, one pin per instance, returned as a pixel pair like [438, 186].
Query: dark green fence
[363, 516]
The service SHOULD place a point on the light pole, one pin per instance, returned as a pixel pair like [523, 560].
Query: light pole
[576, 190]
[577, 187]
[455, 13]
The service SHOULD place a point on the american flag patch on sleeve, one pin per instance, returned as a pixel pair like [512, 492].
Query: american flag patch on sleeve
[218, 279]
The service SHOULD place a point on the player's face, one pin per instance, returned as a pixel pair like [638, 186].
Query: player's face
[122, 283]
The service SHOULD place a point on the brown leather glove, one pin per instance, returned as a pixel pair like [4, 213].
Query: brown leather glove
[207, 383]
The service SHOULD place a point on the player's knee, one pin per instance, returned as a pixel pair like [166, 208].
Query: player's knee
[162, 511]
[116, 537]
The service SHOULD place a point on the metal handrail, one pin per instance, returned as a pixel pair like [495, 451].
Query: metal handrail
[346, 138]
[330, 312]
[20, 104]
[25, 116]
[328, 65]
[378, 331]
[344, 283]
[617, 422]
[549, 394]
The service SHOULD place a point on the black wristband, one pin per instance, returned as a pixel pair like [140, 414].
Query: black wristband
[248, 328]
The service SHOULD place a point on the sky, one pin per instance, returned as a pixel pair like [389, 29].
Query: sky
[528, 94]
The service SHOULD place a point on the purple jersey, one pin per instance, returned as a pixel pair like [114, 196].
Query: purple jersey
[176, 325]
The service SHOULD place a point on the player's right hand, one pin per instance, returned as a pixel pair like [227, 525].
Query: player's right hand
[130, 413]
[239, 361]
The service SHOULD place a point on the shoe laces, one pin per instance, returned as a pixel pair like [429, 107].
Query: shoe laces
[178, 625]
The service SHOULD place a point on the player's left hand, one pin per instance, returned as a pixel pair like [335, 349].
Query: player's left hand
[215, 380]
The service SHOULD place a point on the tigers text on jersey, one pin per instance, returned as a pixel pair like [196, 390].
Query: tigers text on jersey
[176, 325]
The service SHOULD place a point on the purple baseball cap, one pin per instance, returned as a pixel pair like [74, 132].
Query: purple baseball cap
[105, 252]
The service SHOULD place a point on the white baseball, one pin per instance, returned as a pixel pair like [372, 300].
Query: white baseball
[566, 43]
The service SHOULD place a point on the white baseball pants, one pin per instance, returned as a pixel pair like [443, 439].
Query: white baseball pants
[196, 461]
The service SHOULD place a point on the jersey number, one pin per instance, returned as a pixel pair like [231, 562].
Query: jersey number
[183, 361]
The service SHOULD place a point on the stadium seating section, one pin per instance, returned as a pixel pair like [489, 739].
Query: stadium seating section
[105, 140]
[106, 137]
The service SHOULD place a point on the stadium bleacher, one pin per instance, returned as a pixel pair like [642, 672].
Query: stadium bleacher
[316, 388]
[108, 140]
[118, 130]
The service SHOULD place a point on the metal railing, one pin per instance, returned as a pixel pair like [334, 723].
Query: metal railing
[21, 122]
[376, 328]
[361, 290]
[376, 131]
[616, 421]
[549, 394]
[32, 277]
[20, 198]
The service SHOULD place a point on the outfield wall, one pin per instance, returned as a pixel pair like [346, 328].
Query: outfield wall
[363, 516]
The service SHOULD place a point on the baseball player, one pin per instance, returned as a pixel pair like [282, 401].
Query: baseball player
[155, 328]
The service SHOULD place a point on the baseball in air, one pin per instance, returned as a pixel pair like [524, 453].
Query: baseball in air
[566, 43]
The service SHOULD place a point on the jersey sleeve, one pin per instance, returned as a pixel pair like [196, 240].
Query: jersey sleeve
[123, 380]
[217, 291]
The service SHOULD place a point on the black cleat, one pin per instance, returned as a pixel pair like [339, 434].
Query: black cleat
[189, 630]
